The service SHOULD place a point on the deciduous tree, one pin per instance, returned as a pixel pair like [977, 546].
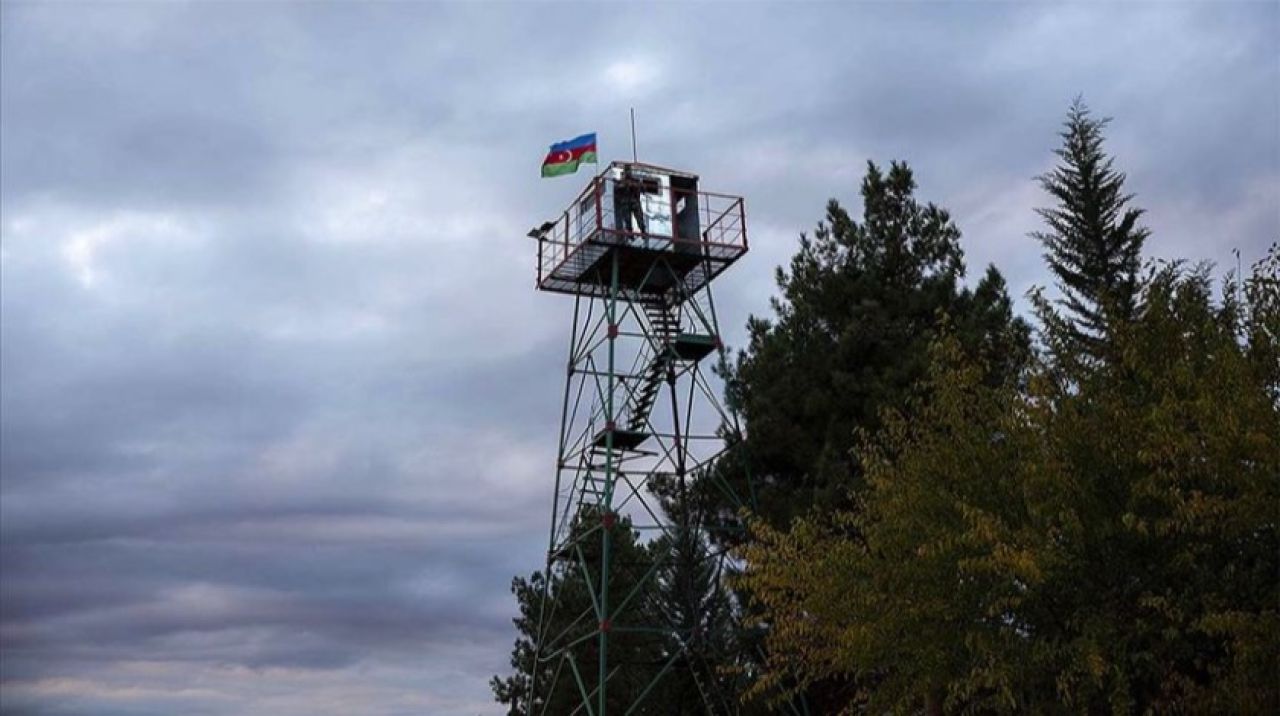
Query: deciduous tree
[1104, 540]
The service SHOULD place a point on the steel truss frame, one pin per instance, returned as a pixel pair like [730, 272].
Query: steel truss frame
[639, 409]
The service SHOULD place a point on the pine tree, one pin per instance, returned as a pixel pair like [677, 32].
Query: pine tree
[1093, 243]
[689, 598]
[859, 304]
[569, 618]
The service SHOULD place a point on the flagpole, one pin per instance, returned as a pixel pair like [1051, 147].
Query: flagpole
[1239, 276]
[634, 157]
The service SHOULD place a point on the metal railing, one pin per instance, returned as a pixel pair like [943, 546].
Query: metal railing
[705, 223]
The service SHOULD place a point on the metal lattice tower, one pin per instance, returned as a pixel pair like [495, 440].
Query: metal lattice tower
[641, 421]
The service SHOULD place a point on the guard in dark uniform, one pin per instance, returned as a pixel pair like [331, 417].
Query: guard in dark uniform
[626, 201]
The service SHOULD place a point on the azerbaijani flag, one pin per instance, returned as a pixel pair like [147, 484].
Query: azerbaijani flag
[564, 157]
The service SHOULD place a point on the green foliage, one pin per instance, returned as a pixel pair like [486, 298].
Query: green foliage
[1099, 532]
[688, 597]
[680, 591]
[859, 305]
[514, 690]
[1099, 540]
[860, 302]
[1093, 243]
[571, 616]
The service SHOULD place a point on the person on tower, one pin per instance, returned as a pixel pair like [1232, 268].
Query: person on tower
[626, 197]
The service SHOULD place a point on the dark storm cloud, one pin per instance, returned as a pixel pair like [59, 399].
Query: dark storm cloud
[278, 400]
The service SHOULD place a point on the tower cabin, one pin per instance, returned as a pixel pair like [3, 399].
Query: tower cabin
[648, 236]
[671, 239]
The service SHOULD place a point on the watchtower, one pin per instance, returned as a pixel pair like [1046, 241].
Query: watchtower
[641, 422]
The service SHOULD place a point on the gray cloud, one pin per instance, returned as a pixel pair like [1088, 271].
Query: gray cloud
[279, 403]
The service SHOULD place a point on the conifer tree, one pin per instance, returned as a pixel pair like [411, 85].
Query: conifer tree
[1093, 241]
[689, 599]
[524, 692]
[859, 304]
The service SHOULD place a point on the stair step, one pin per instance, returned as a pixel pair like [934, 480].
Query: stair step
[694, 346]
[622, 439]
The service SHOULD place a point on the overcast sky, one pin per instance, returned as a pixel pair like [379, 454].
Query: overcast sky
[279, 402]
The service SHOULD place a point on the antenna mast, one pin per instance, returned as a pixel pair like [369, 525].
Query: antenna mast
[634, 157]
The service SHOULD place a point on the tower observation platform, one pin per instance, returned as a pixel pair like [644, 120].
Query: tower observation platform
[632, 564]
[666, 231]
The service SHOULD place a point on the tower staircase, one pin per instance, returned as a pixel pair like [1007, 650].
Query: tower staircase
[668, 348]
[665, 325]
